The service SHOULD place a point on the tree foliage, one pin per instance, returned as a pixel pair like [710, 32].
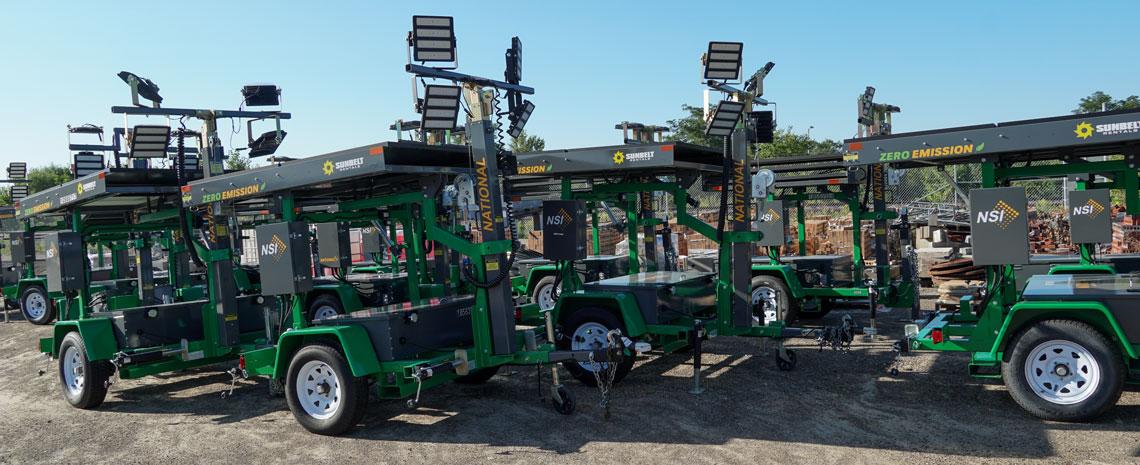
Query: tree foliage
[45, 177]
[786, 142]
[1098, 101]
[237, 161]
[527, 143]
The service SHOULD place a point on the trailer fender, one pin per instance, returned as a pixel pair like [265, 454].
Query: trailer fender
[353, 341]
[623, 304]
[97, 335]
[1023, 314]
[534, 275]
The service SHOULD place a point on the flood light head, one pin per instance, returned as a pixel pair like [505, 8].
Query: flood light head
[266, 144]
[85, 163]
[433, 39]
[439, 107]
[148, 141]
[518, 121]
[18, 191]
[141, 87]
[723, 61]
[724, 118]
[513, 73]
[261, 95]
[17, 170]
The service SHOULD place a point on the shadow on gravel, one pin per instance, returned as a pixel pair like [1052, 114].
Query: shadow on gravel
[833, 398]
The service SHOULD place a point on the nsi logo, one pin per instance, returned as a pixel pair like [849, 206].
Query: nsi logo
[562, 219]
[275, 248]
[1092, 208]
[1002, 214]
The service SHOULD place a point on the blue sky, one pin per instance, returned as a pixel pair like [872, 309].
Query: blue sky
[592, 63]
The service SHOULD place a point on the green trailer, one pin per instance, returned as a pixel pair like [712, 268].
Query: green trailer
[1067, 343]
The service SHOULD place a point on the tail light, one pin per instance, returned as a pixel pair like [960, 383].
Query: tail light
[936, 336]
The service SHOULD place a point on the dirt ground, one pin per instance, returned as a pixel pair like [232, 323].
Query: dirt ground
[836, 407]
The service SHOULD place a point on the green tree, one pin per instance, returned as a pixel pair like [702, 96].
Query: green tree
[691, 128]
[5, 196]
[786, 142]
[527, 143]
[1098, 101]
[237, 161]
[45, 177]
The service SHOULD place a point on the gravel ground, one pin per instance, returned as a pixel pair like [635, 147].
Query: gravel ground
[835, 407]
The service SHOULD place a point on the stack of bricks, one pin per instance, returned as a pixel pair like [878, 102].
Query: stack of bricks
[1125, 232]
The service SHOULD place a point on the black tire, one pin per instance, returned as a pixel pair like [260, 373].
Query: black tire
[479, 376]
[783, 297]
[92, 390]
[545, 281]
[36, 292]
[354, 391]
[1102, 351]
[324, 301]
[577, 319]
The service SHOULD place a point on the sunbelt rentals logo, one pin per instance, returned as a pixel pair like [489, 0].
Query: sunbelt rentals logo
[274, 248]
[1002, 214]
[621, 157]
[1092, 209]
[353, 163]
[1085, 130]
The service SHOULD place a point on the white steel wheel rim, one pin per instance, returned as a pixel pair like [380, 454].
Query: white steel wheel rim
[73, 375]
[35, 305]
[318, 390]
[1062, 372]
[590, 336]
[546, 297]
[325, 311]
[764, 298]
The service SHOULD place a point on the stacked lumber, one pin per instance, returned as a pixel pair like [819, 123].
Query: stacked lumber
[957, 269]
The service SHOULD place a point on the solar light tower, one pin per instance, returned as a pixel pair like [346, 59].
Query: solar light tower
[432, 40]
[874, 120]
[18, 177]
[740, 126]
[150, 141]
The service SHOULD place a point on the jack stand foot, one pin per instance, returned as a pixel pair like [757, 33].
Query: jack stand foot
[697, 343]
[785, 358]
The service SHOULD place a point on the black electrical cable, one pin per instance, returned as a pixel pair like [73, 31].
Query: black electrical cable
[508, 210]
[180, 176]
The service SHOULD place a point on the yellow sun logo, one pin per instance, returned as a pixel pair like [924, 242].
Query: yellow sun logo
[1084, 130]
[619, 157]
[79, 188]
[328, 168]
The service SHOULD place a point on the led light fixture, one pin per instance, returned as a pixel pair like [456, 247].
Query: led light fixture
[149, 141]
[433, 39]
[723, 61]
[518, 122]
[85, 163]
[141, 87]
[724, 118]
[439, 107]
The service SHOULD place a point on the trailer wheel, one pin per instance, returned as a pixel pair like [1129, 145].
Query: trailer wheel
[1064, 370]
[543, 293]
[325, 306]
[563, 401]
[322, 393]
[84, 382]
[36, 306]
[479, 376]
[769, 294]
[585, 329]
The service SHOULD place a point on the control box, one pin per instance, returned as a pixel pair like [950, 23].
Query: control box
[333, 246]
[65, 261]
[284, 258]
[564, 229]
[370, 241]
[23, 247]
